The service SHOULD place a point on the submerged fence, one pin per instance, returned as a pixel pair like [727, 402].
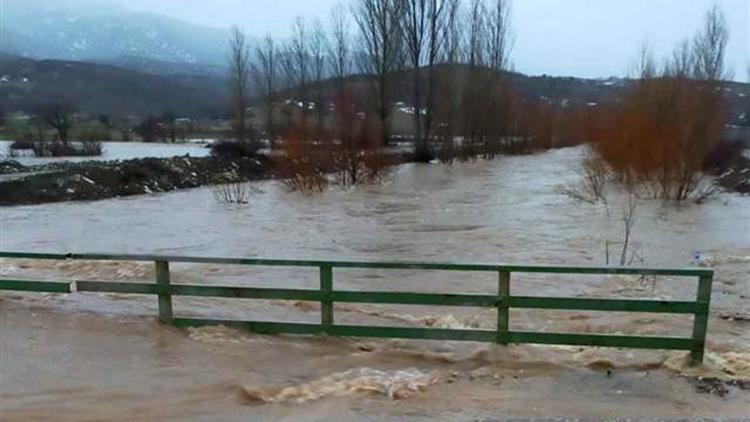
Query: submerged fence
[327, 296]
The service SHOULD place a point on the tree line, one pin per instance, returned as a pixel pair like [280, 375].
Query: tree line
[306, 77]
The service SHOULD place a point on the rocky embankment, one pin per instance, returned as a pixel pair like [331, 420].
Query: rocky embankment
[10, 167]
[99, 180]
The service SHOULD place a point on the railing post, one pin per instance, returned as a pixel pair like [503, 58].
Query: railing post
[700, 321]
[326, 287]
[503, 307]
[165, 299]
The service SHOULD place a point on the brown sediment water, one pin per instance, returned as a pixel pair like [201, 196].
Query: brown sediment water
[103, 356]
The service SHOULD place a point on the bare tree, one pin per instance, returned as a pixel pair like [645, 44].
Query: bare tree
[500, 37]
[265, 74]
[422, 27]
[645, 68]
[438, 12]
[339, 54]
[441, 121]
[452, 32]
[474, 23]
[628, 203]
[288, 73]
[709, 46]
[487, 99]
[378, 22]
[301, 57]
[57, 113]
[498, 47]
[318, 48]
[680, 65]
[285, 59]
[472, 107]
[239, 82]
[414, 27]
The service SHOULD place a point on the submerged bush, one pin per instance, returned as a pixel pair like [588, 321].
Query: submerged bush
[725, 155]
[595, 174]
[234, 149]
[234, 193]
[660, 133]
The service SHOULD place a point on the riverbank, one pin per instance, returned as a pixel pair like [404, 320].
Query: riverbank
[92, 180]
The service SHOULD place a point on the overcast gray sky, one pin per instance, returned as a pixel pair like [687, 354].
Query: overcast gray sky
[587, 38]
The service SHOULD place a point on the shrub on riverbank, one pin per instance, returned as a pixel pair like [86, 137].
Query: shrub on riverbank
[41, 142]
[69, 149]
[659, 135]
[11, 166]
[21, 145]
[347, 154]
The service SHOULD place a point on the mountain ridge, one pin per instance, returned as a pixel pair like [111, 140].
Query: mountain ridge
[82, 32]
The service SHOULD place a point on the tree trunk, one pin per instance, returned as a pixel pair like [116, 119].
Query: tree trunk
[384, 129]
[421, 150]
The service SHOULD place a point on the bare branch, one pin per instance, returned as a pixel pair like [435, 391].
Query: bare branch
[339, 54]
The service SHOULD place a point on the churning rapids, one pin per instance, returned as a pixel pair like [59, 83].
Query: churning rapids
[94, 357]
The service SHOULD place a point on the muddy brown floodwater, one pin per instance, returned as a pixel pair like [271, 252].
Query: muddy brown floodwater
[104, 357]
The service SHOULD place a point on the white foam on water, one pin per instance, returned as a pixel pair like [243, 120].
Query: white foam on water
[105, 270]
[8, 269]
[219, 335]
[720, 259]
[448, 321]
[398, 384]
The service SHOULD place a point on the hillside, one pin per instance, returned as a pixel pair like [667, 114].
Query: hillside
[200, 90]
[96, 88]
[560, 90]
[166, 68]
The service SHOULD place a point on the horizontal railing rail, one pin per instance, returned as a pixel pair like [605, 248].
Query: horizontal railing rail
[402, 265]
[326, 295]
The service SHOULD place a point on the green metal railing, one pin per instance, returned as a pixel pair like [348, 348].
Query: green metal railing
[503, 301]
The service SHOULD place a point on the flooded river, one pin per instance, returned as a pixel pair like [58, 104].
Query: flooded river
[113, 151]
[104, 357]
